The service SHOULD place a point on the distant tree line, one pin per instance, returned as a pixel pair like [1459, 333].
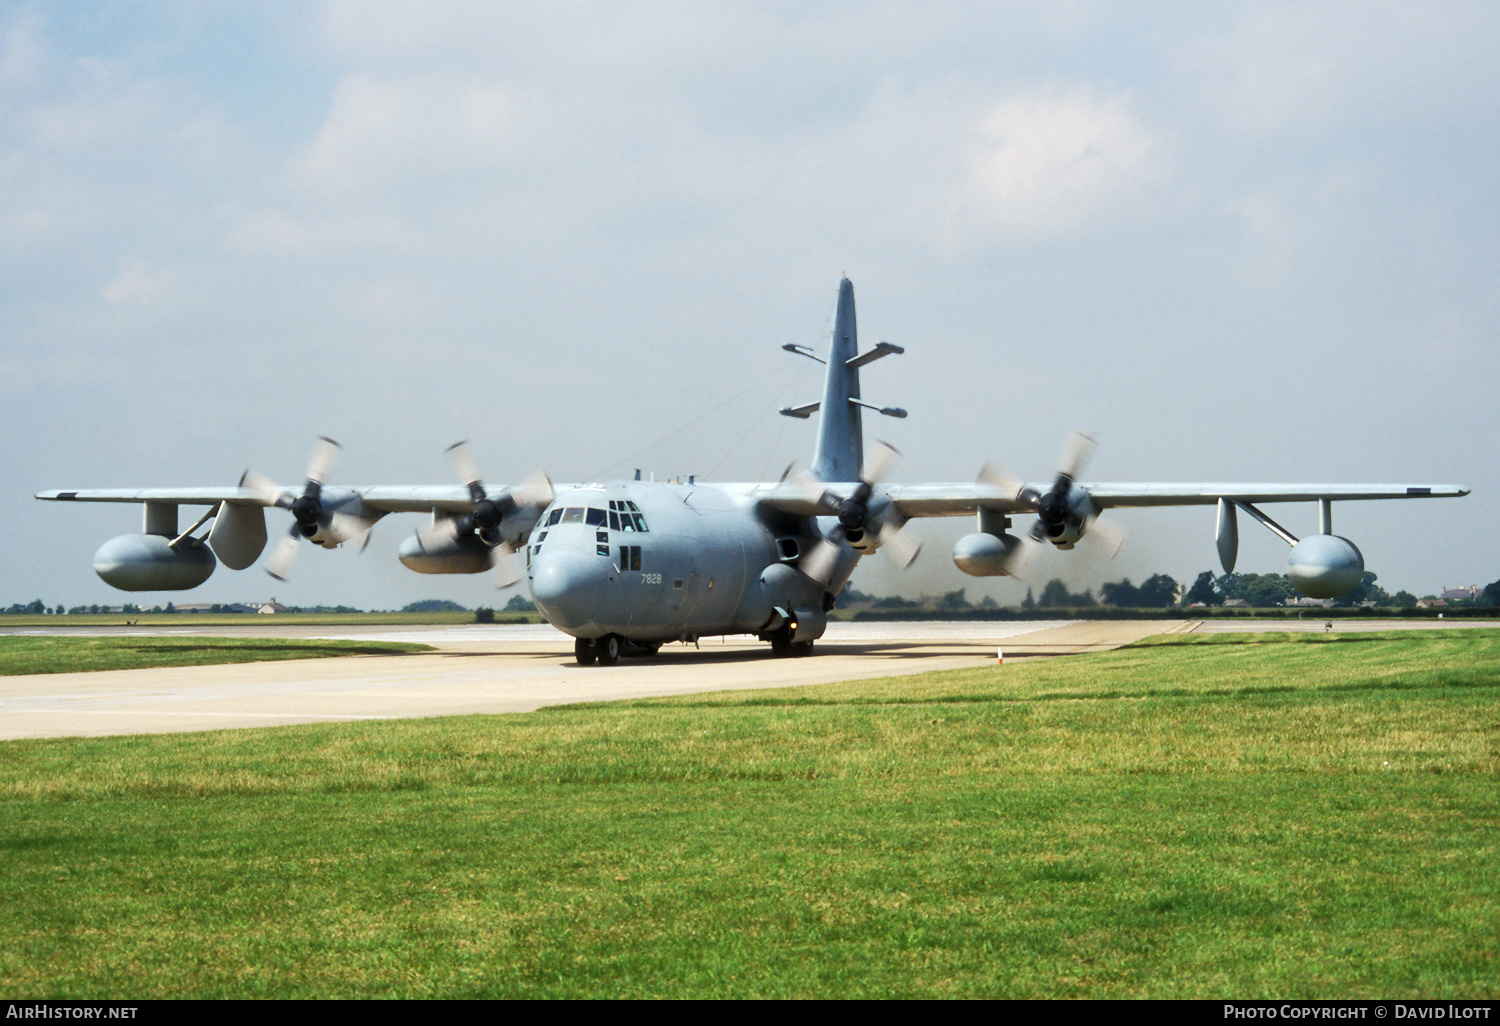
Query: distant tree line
[1275, 589]
[1161, 591]
[1156, 592]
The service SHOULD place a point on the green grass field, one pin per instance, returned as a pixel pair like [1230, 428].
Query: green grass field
[1280, 816]
[53, 654]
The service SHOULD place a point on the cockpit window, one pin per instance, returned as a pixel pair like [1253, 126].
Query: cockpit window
[590, 515]
[629, 515]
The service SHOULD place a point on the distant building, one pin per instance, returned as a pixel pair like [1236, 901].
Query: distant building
[272, 607]
[1461, 594]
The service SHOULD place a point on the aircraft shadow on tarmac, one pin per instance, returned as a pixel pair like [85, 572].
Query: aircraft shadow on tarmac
[711, 654]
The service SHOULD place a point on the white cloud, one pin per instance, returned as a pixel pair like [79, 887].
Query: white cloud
[137, 283]
[1052, 164]
[1307, 66]
[283, 235]
[386, 133]
[1287, 223]
[23, 55]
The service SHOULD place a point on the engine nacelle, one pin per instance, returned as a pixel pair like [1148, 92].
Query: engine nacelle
[461, 554]
[807, 623]
[147, 562]
[984, 555]
[1325, 566]
[773, 599]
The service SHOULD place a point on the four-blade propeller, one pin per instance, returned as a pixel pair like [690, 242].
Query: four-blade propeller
[530, 497]
[1064, 512]
[309, 516]
[858, 518]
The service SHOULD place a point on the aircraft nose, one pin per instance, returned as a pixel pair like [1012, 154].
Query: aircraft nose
[568, 587]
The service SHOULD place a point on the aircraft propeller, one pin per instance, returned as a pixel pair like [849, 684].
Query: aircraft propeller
[855, 519]
[1057, 512]
[307, 509]
[483, 522]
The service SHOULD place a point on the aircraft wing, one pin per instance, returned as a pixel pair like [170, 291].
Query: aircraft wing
[480, 524]
[951, 500]
[1123, 496]
[385, 498]
[170, 496]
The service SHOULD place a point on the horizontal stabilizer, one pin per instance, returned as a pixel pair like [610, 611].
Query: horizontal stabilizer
[889, 411]
[881, 349]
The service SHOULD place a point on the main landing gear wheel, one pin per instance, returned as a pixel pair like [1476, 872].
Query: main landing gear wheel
[583, 651]
[783, 645]
[605, 651]
[608, 648]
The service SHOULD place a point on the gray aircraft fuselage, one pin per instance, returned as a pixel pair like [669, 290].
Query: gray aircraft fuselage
[652, 562]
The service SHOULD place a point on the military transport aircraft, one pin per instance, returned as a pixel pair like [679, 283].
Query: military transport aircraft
[630, 565]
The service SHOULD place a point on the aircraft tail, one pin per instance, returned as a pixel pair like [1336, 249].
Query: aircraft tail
[841, 449]
[840, 455]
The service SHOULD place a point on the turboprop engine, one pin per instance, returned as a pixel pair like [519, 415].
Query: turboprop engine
[986, 555]
[150, 562]
[1065, 514]
[434, 553]
[487, 536]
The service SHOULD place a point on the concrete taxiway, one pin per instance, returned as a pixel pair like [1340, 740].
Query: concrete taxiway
[508, 668]
[496, 669]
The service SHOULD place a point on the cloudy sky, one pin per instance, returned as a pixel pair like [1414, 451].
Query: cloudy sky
[1234, 241]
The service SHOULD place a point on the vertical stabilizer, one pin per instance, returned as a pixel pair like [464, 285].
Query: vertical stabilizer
[840, 454]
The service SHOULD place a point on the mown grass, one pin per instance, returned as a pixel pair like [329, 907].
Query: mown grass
[51, 654]
[1248, 816]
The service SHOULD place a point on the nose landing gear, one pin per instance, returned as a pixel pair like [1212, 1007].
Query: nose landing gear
[605, 651]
